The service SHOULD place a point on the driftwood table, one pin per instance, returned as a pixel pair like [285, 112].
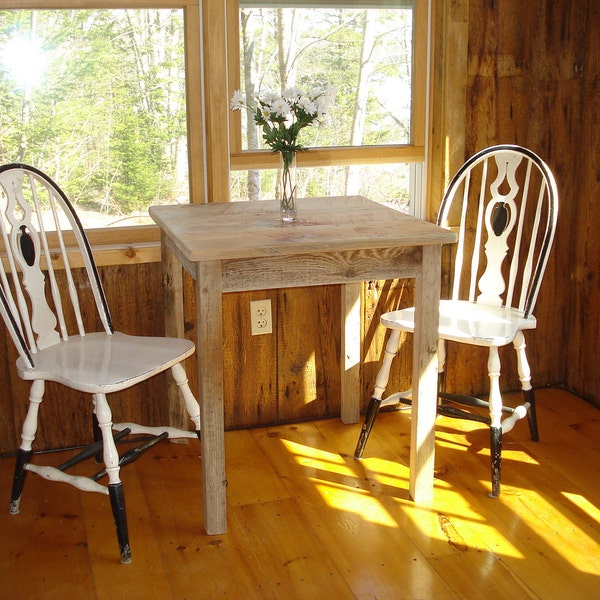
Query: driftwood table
[242, 246]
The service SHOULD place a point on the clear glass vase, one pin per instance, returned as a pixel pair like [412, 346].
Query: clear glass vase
[287, 186]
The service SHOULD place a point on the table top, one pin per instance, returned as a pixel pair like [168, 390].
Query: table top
[234, 230]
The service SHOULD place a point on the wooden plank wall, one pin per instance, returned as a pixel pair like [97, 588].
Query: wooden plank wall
[509, 71]
[532, 79]
[582, 281]
[505, 71]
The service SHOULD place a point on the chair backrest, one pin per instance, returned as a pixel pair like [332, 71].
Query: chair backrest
[40, 236]
[504, 203]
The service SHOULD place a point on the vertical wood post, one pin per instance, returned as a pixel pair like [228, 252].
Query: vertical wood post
[425, 368]
[351, 352]
[174, 326]
[209, 319]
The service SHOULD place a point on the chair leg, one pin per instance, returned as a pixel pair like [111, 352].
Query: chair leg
[525, 379]
[36, 395]
[191, 404]
[115, 487]
[495, 402]
[117, 503]
[365, 432]
[23, 457]
[496, 459]
[381, 381]
[529, 396]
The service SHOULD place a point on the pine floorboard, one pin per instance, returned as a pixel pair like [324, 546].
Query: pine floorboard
[306, 521]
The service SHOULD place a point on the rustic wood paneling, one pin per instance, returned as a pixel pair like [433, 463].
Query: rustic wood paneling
[582, 281]
[524, 85]
[507, 71]
[250, 393]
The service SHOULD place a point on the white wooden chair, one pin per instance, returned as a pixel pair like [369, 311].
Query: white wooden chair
[41, 234]
[504, 204]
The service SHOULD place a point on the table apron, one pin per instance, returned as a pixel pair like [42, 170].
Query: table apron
[322, 268]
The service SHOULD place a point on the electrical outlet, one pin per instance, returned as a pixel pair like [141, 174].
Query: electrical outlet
[261, 318]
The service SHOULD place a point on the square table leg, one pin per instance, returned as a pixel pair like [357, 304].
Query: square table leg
[172, 289]
[425, 367]
[351, 352]
[209, 319]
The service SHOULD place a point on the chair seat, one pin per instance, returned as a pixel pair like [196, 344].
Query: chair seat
[101, 363]
[463, 321]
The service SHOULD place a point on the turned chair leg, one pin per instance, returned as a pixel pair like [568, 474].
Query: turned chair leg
[381, 381]
[115, 487]
[117, 503]
[365, 432]
[23, 457]
[529, 396]
[495, 406]
[496, 459]
[525, 379]
[191, 404]
[36, 395]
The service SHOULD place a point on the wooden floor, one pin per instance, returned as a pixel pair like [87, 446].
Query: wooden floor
[307, 521]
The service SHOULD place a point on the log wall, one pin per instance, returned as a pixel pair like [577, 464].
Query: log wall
[505, 71]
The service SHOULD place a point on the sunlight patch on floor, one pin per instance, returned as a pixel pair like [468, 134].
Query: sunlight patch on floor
[357, 501]
[386, 472]
[583, 504]
[592, 512]
[314, 458]
[518, 455]
[345, 495]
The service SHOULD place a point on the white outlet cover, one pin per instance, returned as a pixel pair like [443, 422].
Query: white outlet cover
[261, 317]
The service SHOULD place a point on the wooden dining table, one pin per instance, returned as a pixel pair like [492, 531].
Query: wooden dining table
[242, 246]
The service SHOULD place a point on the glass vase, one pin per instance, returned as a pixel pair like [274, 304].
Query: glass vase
[287, 186]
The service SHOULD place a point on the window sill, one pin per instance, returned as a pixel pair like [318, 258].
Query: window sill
[114, 246]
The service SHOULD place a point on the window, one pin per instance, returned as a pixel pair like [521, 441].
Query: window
[196, 85]
[97, 99]
[373, 144]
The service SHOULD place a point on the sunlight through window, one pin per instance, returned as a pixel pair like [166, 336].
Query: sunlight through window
[355, 501]
[339, 493]
[24, 61]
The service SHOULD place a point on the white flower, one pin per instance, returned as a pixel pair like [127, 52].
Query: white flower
[238, 101]
[292, 94]
[307, 105]
[280, 107]
[268, 97]
[283, 116]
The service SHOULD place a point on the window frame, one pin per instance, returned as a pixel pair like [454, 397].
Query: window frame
[141, 243]
[413, 152]
[212, 152]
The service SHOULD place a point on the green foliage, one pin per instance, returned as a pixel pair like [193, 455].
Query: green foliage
[101, 106]
[106, 114]
[325, 46]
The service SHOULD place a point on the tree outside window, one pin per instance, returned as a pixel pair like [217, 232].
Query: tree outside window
[96, 99]
[367, 55]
